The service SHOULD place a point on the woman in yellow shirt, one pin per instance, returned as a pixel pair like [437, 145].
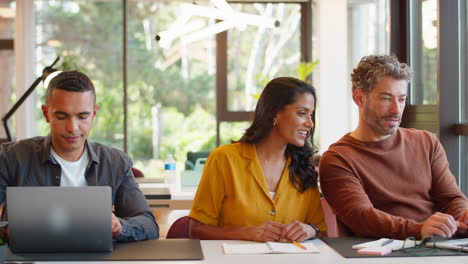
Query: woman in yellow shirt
[264, 187]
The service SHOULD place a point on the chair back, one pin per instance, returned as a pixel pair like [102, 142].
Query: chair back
[179, 229]
[330, 218]
[137, 173]
[335, 227]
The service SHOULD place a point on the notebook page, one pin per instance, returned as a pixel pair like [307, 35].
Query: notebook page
[290, 248]
[394, 245]
[250, 248]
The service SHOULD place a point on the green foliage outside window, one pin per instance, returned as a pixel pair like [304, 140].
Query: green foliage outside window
[173, 106]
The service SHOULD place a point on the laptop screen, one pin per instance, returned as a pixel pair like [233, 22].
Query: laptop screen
[60, 219]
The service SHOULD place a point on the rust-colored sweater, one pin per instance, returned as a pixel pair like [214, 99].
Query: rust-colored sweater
[388, 188]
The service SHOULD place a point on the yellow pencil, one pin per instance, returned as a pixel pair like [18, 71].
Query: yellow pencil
[299, 245]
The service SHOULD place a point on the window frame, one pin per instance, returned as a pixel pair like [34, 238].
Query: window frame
[450, 56]
[444, 118]
[223, 114]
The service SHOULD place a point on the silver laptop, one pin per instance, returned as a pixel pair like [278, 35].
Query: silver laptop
[60, 219]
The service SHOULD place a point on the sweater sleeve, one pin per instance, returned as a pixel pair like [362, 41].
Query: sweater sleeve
[345, 194]
[445, 192]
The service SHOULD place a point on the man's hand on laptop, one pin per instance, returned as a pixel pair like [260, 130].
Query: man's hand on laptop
[116, 226]
[440, 224]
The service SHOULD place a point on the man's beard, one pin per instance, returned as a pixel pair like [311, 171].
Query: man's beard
[377, 122]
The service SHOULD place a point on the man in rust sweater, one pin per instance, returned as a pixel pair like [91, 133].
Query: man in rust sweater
[386, 181]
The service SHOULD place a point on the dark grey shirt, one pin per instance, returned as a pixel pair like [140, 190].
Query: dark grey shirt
[30, 163]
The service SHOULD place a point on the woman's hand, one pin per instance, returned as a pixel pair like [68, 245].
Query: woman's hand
[267, 231]
[297, 231]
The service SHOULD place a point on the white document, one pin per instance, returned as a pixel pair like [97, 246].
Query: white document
[382, 243]
[268, 248]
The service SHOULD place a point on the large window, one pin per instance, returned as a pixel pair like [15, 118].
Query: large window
[171, 105]
[257, 54]
[423, 51]
[251, 54]
[367, 29]
[88, 37]
[171, 81]
[368, 32]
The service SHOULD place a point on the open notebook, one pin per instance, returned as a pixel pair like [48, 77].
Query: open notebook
[392, 244]
[268, 248]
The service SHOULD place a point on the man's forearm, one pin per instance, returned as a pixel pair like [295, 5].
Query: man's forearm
[140, 227]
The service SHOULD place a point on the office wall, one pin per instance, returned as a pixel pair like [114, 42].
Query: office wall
[24, 67]
[334, 94]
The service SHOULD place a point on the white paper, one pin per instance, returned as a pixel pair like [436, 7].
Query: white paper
[268, 248]
[250, 248]
[394, 245]
[290, 248]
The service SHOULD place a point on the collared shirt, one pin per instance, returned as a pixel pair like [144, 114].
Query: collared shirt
[233, 193]
[73, 172]
[29, 163]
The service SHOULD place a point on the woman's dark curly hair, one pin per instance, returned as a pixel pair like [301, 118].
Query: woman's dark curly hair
[277, 94]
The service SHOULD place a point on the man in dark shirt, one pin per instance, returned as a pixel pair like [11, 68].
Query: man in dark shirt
[66, 158]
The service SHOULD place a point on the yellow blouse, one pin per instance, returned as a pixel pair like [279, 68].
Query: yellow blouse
[233, 193]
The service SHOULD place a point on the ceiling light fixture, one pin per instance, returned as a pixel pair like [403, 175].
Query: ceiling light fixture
[193, 31]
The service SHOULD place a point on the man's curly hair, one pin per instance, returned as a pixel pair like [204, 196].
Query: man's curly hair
[371, 69]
